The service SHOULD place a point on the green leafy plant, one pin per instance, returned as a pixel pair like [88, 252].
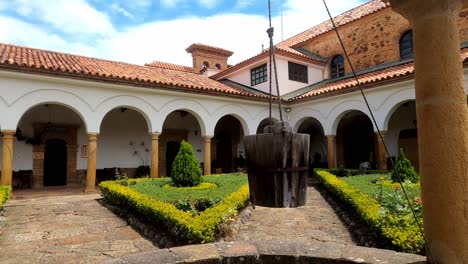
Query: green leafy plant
[201, 228]
[404, 170]
[185, 171]
[391, 220]
[5, 192]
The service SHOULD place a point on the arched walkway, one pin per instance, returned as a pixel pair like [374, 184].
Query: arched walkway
[355, 140]
[179, 125]
[318, 142]
[48, 148]
[124, 143]
[227, 145]
[403, 132]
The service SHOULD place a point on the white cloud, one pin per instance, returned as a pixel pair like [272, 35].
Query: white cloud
[116, 7]
[166, 40]
[18, 32]
[68, 16]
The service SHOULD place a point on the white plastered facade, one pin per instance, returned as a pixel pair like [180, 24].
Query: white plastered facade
[92, 101]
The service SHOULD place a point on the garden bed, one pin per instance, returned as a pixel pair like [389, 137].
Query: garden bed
[5, 192]
[155, 201]
[380, 204]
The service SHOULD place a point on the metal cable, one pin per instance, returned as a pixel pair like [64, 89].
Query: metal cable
[270, 32]
[269, 75]
[378, 130]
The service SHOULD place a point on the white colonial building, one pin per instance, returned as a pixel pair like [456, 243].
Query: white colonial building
[65, 117]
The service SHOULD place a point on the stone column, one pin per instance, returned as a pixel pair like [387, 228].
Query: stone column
[7, 157]
[207, 162]
[331, 150]
[442, 125]
[155, 155]
[91, 170]
[380, 152]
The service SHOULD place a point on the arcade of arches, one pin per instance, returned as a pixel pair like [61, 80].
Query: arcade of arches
[52, 146]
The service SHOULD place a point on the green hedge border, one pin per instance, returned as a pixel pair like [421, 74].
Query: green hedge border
[5, 192]
[194, 229]
[402, 233]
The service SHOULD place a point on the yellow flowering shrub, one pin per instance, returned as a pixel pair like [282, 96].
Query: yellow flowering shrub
[402, 232]
[5, 192]
[202, 228]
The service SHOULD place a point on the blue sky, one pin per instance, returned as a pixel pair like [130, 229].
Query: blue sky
[140, 31]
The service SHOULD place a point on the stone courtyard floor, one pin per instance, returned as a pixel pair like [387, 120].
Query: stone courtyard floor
[316, 221]
[66, 226]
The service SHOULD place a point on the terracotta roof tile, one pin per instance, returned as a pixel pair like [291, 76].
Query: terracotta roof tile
[30, 59]
[287, 46]
[170, 66]
[368, 78]
[340, 20]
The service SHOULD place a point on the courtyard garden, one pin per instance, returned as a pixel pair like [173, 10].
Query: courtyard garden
[191, 207]
[379, 200]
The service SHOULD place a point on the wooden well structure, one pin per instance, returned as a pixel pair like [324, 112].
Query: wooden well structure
[277, 166]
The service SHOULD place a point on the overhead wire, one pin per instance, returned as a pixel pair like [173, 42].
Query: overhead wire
[379, 133]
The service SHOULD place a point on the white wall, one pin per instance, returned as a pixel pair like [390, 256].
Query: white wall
[242, 76]
[403, 118]
[91, 102]
[314, 75]
[118, 129]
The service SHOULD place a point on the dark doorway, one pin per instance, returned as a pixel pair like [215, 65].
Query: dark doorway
[356, 135]
[228, 135]
[224, 156]
[172, 148]
[55, 163]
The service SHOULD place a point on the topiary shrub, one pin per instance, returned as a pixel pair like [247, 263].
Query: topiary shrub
[404, 170]
[185, 170]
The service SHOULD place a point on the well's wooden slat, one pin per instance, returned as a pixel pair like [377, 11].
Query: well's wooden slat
[265, 153]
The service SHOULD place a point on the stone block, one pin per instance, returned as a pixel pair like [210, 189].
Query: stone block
[203, 254]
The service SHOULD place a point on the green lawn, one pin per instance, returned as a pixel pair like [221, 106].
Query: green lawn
[366, 183]
[227, 184]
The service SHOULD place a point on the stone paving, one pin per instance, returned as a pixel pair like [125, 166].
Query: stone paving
[66, 226]
[65, 229]
[316, 221]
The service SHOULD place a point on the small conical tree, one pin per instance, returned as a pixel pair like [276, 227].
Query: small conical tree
[404, 170]
[185, 171]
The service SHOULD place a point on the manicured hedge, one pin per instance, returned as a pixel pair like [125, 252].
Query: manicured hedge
[5, 192]
[402, 232]
[193, 229]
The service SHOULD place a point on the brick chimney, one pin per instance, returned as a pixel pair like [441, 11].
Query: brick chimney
[207, 59]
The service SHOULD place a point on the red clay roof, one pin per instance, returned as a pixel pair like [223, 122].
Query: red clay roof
[340, 20]
[170, 66]
[61, 64]
[368, 78]
[211, 49]
[286, 47]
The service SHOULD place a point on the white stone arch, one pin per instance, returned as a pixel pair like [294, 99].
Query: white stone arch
[137, 104]
[193, 107]
[391, 104]
[337, 113]
[234, 110]
[298, 118]
[39, 97]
